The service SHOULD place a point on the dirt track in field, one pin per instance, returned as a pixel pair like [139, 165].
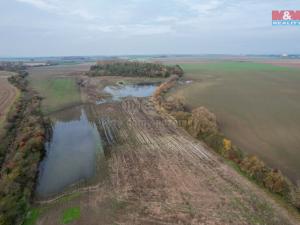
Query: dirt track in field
[158, 174]
[7, 96]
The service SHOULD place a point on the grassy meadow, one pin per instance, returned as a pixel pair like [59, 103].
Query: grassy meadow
[58, 92]
[257, 106]
[55, 84]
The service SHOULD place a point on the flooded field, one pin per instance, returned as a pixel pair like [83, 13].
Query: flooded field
[71, 154]
[117, 93]
[133, 90]
[75, 145]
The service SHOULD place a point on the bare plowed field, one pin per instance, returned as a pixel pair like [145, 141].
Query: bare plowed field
[7, 96]
[158, 174]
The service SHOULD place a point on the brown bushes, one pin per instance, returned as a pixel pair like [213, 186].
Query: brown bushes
[295, 195]
[272, 179]
[254, 167]
[163, 88]
[276, 182]
[173, 105]
[182, 118]
[202, 123]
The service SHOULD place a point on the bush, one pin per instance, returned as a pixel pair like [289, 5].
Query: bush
[202, 123]
[182, 118]
[173, 105]
[254, 167]
[295, 195]
[276, 183]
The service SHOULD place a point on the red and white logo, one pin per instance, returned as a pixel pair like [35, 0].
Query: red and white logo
[286, 15]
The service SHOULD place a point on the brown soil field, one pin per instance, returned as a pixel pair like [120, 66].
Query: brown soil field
[8, 94]
[6, 74]
[295, 63]
[59, 70]
[158, 174]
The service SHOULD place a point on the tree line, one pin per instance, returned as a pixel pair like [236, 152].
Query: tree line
[21, 149]
[134, 69]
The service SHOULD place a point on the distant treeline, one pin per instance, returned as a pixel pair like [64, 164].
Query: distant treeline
[134, 69]
[202, 124]
[21, 149]
[17, 67]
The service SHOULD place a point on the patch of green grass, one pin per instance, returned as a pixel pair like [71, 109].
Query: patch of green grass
[233, 66]
[58, 92]
[32, 216]
[35, 213]
[70, 215]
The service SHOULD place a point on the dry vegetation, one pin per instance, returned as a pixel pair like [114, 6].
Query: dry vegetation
[158, 174]
[8, 94]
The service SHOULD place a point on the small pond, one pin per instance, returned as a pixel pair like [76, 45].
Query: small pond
[134, 90]
[71, 154]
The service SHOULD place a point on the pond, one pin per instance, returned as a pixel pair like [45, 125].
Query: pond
[71, 154]
[134, 90]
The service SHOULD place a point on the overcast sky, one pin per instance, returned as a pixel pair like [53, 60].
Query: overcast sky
[105, 27]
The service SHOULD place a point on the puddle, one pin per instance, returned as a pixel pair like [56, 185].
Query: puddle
[71, 154]
[137, 90]
[185, 82]
[101, 101]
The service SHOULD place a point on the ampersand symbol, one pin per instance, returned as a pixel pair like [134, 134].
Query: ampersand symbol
[286, 15]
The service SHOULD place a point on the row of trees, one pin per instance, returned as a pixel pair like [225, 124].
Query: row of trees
[21, 149]
[133, 69]
[12, 66]
[202, 124]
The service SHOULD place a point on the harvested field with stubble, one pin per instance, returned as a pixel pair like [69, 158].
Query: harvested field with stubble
[8, 93]
[158, 174]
